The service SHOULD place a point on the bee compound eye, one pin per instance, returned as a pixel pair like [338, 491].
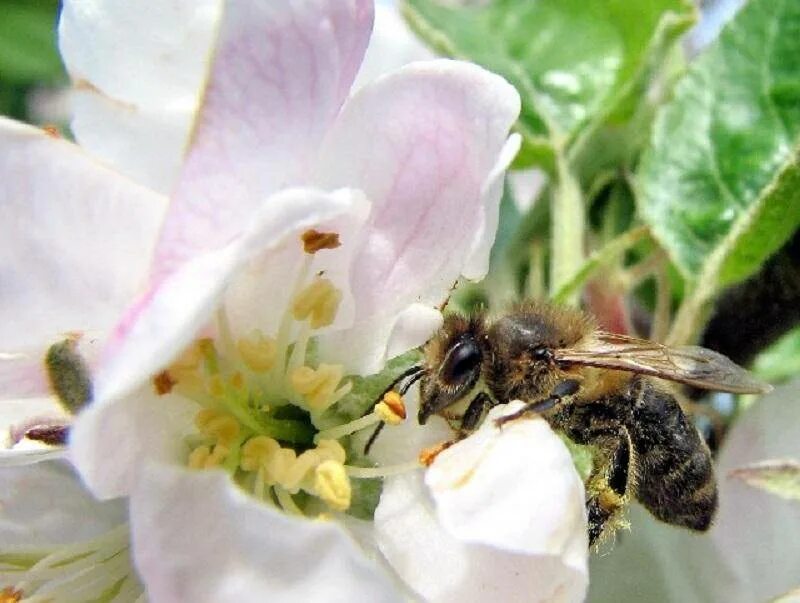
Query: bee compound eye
[542, 353]
[461, 361]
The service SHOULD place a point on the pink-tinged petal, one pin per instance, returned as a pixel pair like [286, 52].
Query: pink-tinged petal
[46, 504]
[280, 74]
[75, 239]
[198, 537]
[174, 309]
[441, 568]
[110, 444]
[423, 144]
[138, 76]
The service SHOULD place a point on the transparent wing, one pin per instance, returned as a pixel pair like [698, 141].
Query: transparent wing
[692, 365]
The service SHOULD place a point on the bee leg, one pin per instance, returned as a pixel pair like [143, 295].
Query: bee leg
[608, 486]
[565, 388]
[473, 414]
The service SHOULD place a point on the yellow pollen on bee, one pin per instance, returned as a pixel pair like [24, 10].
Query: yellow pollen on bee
[332, 485]
[319, 386]
[391, 408]
[318, 303]
[258, 351]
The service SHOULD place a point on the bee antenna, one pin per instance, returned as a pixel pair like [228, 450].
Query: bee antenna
[413, 374]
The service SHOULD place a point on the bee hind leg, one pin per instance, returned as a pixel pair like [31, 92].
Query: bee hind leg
[607, 492]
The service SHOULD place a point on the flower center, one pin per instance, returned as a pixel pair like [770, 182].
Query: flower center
[262, 397]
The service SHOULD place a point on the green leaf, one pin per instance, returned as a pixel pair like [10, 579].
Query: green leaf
[719, 184]
[781, 360]
[780, 477]
[28, 50]
[572, 61]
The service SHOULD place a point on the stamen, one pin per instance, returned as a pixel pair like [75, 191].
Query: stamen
[286, 501]
[10, 595]
[334, 433]
[391, 409]
[314, 241]
[332, 485]
[258, 351]
[428, 455]
[212, 423]
[318, 303]
[318, 386]
[386, 471]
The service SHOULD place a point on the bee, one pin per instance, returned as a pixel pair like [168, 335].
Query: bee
[600, 389]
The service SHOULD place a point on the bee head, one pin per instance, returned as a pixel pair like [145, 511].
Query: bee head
[454, 359]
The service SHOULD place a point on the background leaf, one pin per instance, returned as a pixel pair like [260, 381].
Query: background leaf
[780, 477]
[720, 184]
[28, 50]
[572, 61]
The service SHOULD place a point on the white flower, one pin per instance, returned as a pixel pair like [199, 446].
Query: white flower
[502, 517]
[298, 216]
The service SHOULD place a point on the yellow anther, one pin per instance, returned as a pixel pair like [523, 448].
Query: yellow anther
[198, 456]
[216, 387]
[214, 424]
[204, 457]
[319, 386]
[258, 351]
[256, 452]
[237, 380]
[391, 409]
[314, 241]
[279, 465]
[318, 303]
[295, 477]
[332, 485]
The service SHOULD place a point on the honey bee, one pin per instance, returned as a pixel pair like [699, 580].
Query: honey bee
[599, 389]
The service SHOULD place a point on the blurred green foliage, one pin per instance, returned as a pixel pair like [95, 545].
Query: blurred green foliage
[28, 53]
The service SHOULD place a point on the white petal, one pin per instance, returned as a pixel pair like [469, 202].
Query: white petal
[369, 343]
[391, 46]
[75, 239]
[421, 143]
[46, 504]
[262, 290]
[477, 264]
[440, 568]
[172, 312]
[514, 488]
[109, 444]
[197, 537]
[280, 73]
[139, 75]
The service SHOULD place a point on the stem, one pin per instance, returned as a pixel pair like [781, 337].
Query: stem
[567, 229]
[600, 258]
[690, 316]
[661, 315]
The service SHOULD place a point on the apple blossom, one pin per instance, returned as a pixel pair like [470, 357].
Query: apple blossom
[309, 236]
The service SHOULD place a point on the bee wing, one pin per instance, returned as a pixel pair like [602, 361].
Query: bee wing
[691, 365]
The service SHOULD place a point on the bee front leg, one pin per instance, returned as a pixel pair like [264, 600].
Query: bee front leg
[473, 414]
[562, 389]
